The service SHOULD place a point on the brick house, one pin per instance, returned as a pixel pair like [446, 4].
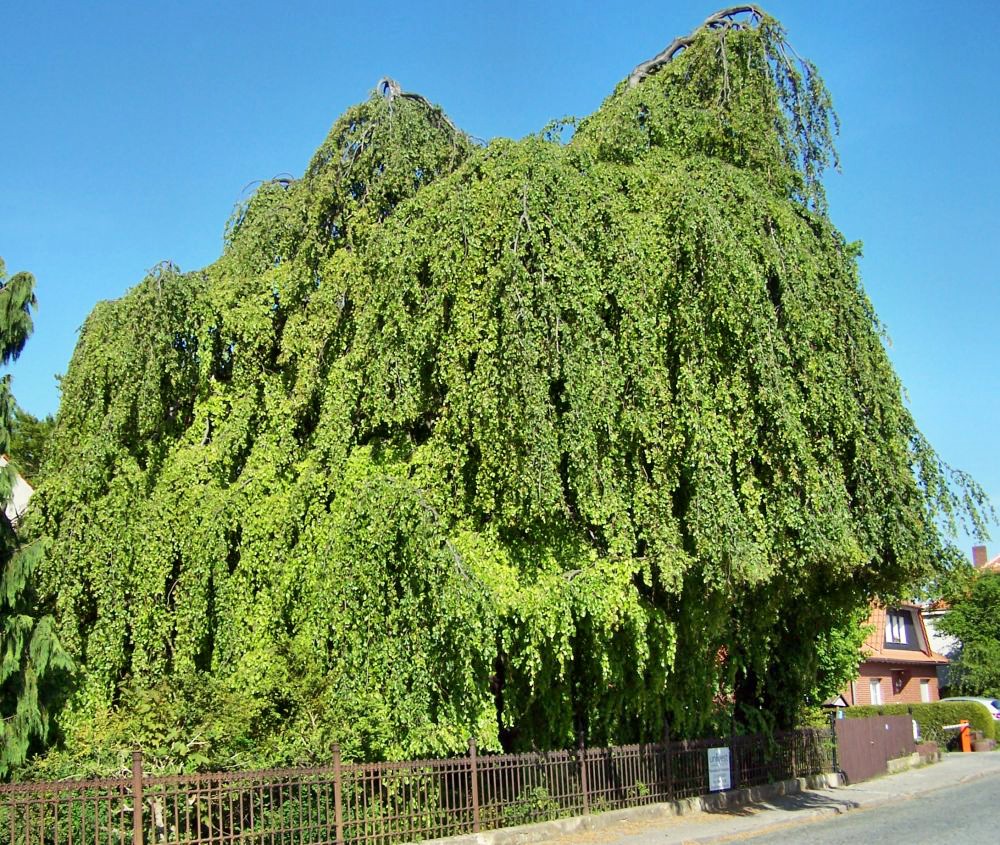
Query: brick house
[898, 663]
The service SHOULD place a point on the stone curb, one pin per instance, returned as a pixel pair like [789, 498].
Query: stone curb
[540, 831]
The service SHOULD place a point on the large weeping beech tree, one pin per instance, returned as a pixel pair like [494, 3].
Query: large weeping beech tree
[30, 654]
[529, 441]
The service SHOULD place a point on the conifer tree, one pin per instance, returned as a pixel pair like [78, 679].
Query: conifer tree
[30, 652]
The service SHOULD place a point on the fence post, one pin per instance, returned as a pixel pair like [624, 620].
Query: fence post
[668, 760]
[834, 760]
[584, 786]
[137, 800]
[474, 777]
[338, 813]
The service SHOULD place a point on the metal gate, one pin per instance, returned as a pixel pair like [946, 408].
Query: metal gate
[865, 746]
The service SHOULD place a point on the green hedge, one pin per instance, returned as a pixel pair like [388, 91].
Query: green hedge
[931, 717]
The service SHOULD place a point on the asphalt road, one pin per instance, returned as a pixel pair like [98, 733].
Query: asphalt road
[956, 815]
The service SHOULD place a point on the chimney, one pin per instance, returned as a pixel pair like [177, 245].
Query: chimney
[979, 556]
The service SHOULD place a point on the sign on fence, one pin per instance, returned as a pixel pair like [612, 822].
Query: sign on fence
[719, 778]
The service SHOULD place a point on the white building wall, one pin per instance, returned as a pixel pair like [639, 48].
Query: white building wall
[20, 496]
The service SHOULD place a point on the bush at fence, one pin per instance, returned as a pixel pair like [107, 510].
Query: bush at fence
[533, 805]
[932, 717]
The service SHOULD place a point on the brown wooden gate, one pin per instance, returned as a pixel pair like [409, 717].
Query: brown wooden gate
[865, 746]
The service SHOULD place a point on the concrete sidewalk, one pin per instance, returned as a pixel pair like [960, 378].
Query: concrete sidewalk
[787, 810]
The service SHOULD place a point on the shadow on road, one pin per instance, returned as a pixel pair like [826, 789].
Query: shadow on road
[790, 803]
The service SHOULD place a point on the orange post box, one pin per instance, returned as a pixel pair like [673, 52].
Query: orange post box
[965, 735]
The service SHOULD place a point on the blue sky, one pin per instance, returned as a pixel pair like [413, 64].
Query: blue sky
[128, 131]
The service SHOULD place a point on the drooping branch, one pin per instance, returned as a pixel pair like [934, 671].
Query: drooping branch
[723, 19]
[389, 89]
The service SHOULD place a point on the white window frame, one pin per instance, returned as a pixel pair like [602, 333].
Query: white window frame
[875, 690]
[895, 629]
[925, 690]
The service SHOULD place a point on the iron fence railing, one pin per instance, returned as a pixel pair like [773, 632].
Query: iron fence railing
[387, 803]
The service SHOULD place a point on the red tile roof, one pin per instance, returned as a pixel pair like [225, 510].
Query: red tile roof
[875, 649]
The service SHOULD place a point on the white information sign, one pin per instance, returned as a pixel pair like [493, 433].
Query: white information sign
[718, 770]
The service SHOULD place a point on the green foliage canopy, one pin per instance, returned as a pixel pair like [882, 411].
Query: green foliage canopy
[28, 438]
[528, 440]
[974, 619]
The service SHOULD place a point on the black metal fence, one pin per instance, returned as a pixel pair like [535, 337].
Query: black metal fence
[386, 803]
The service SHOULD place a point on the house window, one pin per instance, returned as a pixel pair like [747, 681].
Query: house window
[895, 629]
[875, 690]
[925, 690]
[899, 679]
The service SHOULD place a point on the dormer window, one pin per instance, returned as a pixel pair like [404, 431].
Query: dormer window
[895, 627]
